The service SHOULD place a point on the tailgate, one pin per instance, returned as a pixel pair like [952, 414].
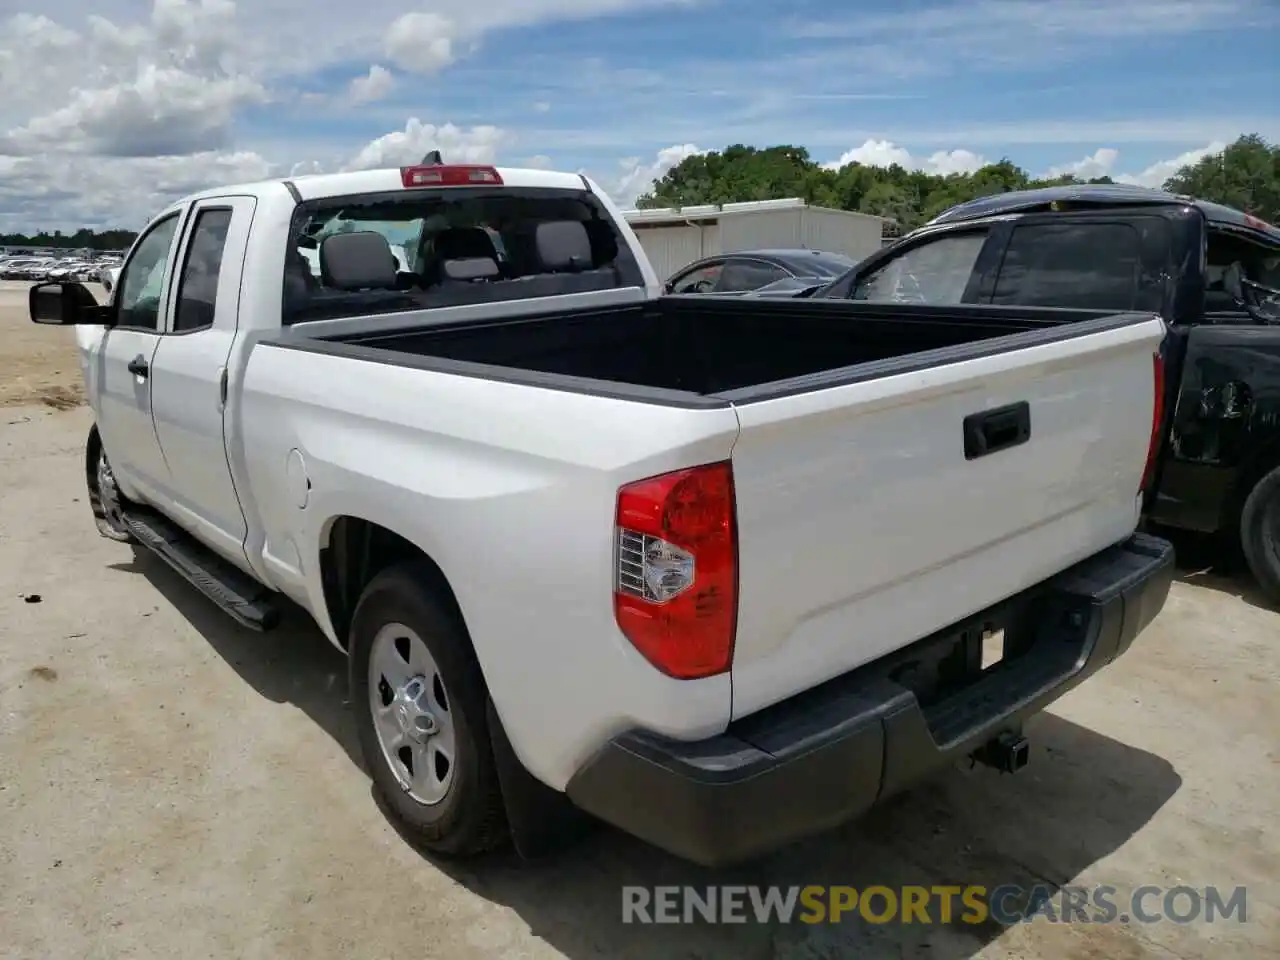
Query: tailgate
[865, 523]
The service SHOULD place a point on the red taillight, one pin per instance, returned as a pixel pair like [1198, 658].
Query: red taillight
[1157, 421]
[449, 176]
[675, 593]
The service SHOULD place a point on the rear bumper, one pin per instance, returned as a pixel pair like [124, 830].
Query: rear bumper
[827, 755]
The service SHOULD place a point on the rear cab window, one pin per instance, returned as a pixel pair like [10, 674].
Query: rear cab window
[1085, 265]
[421, 248]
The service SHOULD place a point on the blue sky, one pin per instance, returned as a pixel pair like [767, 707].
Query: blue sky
[177, 90]
[995, 79]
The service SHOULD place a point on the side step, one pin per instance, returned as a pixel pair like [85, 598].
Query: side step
[241, 597]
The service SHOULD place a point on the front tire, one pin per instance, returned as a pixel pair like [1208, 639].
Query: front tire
[419, 699]
[105, 498]
[1260, 534]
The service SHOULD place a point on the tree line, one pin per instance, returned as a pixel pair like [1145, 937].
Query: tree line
[84, 238]
[1246, 175]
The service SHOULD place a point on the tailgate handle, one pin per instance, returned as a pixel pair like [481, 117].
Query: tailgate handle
[997, 429]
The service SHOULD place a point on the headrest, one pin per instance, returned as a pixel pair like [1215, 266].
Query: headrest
[463, 243]
[470, 268]
[357, 261]
[563, 245]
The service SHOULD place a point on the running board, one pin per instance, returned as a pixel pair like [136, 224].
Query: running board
[242, 598]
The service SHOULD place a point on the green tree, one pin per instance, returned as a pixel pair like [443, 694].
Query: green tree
[84, 238]
[1246, 175]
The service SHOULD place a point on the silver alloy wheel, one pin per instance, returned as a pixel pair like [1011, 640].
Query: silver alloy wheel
[411, 713]
[108, 492]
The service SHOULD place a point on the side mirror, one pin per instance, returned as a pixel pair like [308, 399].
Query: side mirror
[1233, 282]
[64, 303]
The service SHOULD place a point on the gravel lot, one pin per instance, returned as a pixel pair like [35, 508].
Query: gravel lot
[172, 785]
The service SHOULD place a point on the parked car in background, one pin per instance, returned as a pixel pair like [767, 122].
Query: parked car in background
[748, 270]
[26, 268]
[81, 267]
[1104, 247]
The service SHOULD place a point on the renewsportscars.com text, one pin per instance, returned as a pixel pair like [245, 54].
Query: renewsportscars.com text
[1006, 905]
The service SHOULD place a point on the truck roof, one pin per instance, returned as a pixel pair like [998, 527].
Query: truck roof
[1100, 194]
[320, 186]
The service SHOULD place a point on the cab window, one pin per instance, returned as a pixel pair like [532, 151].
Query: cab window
[935, 271]
[702, 280]
[1092, 266]
[741, 276]
[141, 283]
[198, 285]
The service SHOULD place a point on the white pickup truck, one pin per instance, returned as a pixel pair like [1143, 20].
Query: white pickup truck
[717, 571]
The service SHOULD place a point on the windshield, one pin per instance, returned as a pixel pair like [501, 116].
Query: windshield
[383, 253]
[1263, 298]
[825, 265]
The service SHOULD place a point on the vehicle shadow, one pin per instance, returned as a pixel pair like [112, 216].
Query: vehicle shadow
[295, 663]
[1082, 796]
[1209, 561]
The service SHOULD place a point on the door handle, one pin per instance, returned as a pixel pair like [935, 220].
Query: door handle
[998, 429]
[138, 366]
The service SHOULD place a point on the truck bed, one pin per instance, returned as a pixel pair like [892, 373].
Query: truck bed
[896, 468]
[739, 349]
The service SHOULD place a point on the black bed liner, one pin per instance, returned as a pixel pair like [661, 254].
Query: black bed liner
[707, 352]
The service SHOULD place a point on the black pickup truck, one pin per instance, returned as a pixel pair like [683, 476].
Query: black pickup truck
[1210, 271]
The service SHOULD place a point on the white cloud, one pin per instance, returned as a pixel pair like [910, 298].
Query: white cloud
[407, 146]
[883, 153]
[163, 110]
[1100, 163]
[637, 176]
[421, 42]
[1156, 174]
[168, 86]
[70, 192]
[371, 86]
[947, 162]
[1104, 162]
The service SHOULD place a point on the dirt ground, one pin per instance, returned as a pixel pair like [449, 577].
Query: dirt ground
[174, 786]
[38, 364]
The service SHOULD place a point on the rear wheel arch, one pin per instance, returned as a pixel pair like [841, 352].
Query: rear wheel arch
[360, 558]
[1265, 459]
[353, 551]
[1258, 529]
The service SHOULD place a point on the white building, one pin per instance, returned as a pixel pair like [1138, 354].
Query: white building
[674, 237]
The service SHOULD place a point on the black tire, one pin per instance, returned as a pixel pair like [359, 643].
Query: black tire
[1260, 534]
[105, 510]
[469, 819]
